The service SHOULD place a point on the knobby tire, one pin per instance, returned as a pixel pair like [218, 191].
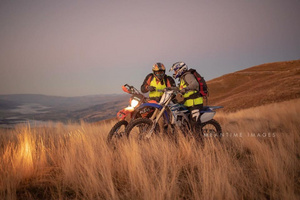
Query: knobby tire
[115, 128]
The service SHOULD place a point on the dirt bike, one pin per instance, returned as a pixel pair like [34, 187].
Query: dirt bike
[127, 114]
[176, 116]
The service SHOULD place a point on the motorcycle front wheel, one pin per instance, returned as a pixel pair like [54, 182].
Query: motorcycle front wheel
[138, 128]
[117, 131]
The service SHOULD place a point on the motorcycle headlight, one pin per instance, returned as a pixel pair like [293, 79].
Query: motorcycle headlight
[134, 103]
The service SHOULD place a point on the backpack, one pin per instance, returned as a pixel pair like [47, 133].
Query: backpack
[203, 89]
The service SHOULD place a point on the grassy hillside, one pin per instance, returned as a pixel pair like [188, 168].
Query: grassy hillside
[259, 85]
[258, 158]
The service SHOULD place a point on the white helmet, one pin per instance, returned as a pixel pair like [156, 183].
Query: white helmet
[179, 68]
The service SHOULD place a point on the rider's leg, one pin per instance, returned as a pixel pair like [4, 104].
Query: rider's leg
[195, 116]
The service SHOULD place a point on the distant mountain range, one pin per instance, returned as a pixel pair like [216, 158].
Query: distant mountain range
[20, 107]
[69, 103]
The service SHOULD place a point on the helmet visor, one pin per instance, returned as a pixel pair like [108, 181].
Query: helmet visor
[176, 71]
[160, 74]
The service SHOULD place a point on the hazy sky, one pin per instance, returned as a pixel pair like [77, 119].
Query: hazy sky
[73, 48]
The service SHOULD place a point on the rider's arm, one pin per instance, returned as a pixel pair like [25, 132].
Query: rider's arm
[191, 82]
[146, 83]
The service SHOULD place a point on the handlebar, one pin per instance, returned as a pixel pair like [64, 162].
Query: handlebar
[175, 93]
[130, 89]
[175, 89]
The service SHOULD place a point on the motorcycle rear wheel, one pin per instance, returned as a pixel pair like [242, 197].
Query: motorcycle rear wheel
[211, 129]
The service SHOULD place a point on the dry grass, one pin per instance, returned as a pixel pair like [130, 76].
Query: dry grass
[258, 158]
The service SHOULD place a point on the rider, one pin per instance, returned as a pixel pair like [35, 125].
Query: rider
[155, 82]
[189, 88]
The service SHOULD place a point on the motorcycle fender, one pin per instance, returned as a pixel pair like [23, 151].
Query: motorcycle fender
[123, 114]
[155, 105]
[205, 117]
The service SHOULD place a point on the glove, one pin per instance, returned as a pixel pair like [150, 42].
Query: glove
[151, 88]
[184, 90]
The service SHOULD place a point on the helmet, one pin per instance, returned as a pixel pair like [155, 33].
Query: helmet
[179, 68]
[159, 70]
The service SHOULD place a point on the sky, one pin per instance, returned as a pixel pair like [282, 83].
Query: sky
[76, 48]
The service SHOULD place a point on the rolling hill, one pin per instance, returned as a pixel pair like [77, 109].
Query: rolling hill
[255, 86]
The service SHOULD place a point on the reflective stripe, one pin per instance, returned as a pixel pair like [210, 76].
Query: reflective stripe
[158, 86]
[193, 102]
[190, 102]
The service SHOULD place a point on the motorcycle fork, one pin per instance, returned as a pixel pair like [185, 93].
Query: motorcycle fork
[155, 121]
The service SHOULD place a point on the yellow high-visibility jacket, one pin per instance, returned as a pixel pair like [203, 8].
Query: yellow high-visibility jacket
[151, 80]
[192, 96]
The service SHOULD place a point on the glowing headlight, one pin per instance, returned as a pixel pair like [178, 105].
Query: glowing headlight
[134, 103]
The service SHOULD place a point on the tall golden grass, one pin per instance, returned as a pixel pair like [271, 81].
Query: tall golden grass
[258, 158]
